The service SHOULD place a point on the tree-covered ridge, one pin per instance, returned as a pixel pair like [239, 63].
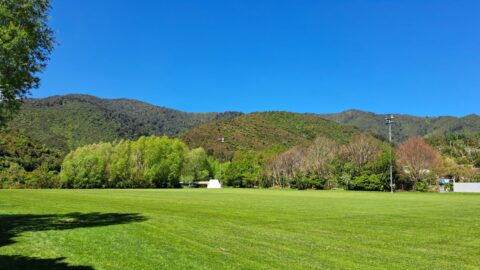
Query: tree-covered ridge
[464, 149]
[70, 121]
[157, 120]
[406, 126]
[264, 130]
[66, 122]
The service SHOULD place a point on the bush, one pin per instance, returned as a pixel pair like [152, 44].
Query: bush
[311, 181]
[421, 186]
[368, 182]
[449, 186]
[12, 176]
[42, 177]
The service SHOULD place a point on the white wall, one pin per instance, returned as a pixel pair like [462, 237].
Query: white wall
[466, 187]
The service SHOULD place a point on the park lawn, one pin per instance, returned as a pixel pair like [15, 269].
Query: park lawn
[237, 229]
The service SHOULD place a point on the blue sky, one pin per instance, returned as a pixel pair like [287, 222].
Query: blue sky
[415, 57]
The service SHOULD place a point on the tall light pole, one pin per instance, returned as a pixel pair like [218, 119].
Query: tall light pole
[389, 122]
[222, 141]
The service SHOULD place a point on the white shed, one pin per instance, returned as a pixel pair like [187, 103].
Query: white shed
[214, 183]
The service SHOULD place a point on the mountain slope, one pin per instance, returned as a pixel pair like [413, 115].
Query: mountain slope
[463, 148]
[160, 120]
[264, 130]
[406, 125]
[66, 122]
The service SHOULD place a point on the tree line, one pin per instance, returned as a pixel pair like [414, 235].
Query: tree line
[362, 164]
[161, 162]
[149, 162]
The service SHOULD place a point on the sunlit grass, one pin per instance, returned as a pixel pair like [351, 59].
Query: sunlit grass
[234, 228]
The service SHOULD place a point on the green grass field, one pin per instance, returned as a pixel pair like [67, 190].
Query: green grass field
[237, 229]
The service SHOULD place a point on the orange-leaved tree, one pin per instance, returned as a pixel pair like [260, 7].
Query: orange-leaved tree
[416, 159]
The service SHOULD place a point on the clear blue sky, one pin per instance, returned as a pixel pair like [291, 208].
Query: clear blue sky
[415, 57]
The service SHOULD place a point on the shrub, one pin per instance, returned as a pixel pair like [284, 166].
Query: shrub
[421, 186]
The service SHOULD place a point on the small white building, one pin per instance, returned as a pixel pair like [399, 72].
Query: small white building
[214, 183]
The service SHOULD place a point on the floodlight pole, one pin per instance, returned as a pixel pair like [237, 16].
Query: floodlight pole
[222, 141]
[389, 122]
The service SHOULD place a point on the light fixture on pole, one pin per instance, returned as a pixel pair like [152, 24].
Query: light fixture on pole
[389, 122]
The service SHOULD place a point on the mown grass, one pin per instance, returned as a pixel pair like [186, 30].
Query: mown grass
[237, 229]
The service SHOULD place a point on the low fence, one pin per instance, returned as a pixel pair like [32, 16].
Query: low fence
[466, 187]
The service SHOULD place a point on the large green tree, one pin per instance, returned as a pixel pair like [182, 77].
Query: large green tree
[26, 42]
[245, 170]
[197, 166]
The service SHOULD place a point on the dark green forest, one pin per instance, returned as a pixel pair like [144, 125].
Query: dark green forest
[67, 122]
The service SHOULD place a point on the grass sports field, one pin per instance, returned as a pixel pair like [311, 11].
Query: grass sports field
[235, 228]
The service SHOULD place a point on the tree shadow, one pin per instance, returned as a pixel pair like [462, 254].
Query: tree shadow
[21, 262]
[15, 224]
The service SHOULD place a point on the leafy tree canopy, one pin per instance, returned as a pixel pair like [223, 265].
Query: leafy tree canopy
[26, 42]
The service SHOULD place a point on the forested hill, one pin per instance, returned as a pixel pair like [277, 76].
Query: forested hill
[66, 122]
[264, 131]
[406, 125]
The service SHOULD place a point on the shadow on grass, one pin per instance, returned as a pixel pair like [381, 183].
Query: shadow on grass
[20, 262]
[13, 225]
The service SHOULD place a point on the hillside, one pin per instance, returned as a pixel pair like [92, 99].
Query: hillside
[464, 149]
[264, 130]
[66, 122]
[25, 162]
[406, 125]
[22, 150]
